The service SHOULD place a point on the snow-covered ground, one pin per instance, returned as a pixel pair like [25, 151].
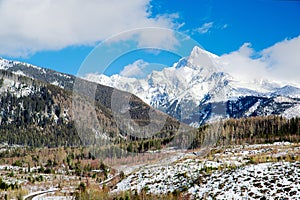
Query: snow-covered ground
[266, 180]
[224, 174]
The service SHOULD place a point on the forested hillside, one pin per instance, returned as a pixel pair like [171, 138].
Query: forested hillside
[37, 114]
[252, 130]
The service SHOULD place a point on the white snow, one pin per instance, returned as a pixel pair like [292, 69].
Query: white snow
[15, 87]
[292, 112]
[282, 99]
[252, 109]
[5, 64]
[226, 175]
[40, 192]
[252, 182]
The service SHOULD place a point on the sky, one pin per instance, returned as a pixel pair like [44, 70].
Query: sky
[61, 35]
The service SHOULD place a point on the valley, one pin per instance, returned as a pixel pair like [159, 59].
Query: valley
[149, 100]
[269, 171]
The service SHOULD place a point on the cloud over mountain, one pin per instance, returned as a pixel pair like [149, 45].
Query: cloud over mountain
[280, 62]
[135, 69]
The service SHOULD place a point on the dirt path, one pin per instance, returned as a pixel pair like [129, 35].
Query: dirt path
[34, 194]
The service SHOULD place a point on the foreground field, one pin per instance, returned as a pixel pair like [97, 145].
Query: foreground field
[267, 171]
[260, 171]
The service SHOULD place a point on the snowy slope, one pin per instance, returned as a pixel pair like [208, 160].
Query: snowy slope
[46, 75]
[8, 64]
[228, 174]
[5, 64]
[191, 77]
[287, 90]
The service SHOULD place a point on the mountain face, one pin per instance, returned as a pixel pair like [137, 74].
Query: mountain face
[38, 107]
[197, 89]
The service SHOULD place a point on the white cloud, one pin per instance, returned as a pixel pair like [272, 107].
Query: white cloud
[205, 27]
[149, 37]
[280, 62]
[283, 59]
[33, 25]
[136, 69]
[240, 64]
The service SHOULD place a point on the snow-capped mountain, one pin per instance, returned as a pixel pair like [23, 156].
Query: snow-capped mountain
[197, 88]
[194, 90]
[62, 80]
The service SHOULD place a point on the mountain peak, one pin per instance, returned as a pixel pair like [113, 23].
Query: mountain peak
[5, 64]
[199, 59]
[198, 51]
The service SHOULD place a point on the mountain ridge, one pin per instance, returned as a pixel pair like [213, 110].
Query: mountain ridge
[36, 106]
[196, 81]
[194, 90]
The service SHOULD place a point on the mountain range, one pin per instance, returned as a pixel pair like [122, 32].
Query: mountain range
[198, 89]
[195, 90]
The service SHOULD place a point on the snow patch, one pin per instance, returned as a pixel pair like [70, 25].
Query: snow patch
[292, 112]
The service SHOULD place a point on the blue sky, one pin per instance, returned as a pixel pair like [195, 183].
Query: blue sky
[52, 39]
[262, 23]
